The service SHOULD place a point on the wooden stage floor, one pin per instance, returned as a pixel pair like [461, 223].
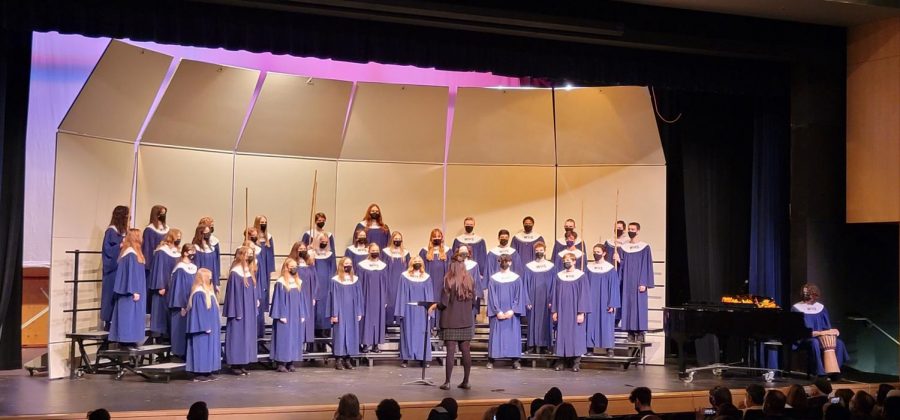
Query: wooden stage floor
[312, 392]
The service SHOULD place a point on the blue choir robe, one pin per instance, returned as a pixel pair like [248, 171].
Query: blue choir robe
[356, 254]
[127, 320]
[493, 263]
[373, 276]
[636, 269]
[345, 301]
[477, 248]
[217, 268]
[523, 243]
[612, 248]
[816, 318]
[206, 258]
[164, 260]
[579, 258]
[263, 276]
[287, 304]
[569, 298]
[112, 241]
[241, 307]
[413, 319]
[506, 292]
[539, 276]
[375, 234]
[325, 269]
[397, 261]
[310, 236]
[308, 294]
[474, 270]
[436, 269]
[603, 280]
[152, 238]
[560, 245]
[178, 294]
[204, 350]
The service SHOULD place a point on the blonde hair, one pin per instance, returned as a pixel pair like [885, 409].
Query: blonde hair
[133, 239]
[410, 269]
[203, 284]
[257, 222]
[240, 258]
[295, 253]
[442, 254]
[340, 267]
[286, 272]
[170, 238]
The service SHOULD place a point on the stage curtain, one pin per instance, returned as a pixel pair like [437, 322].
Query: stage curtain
[15, 68]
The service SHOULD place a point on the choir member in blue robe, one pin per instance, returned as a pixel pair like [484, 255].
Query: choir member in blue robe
[325, 266]
[212, 241]
[265, 261]
[636, 271]
[164, 259]
[359, 249]
[396, 256]
[463, 253]
[476, 244]
[345, 306]
[612, 247]
[816, 318]
[376, 230]
[206, 253]
[437, 258]
[153, 235]
[178, 293]
[604, 299]
[573, 246]
[307, 272]
[288, 317]
[569, 304]
[523, 242]
[242, 302]
[372, 273]
[127, 320]
[538, 278]
[415, 286]
[110, 249]
[204, 349]
[493, 258]
[310, 237]
[560, 244]
[505, 307]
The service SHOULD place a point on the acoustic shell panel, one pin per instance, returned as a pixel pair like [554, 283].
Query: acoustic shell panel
[297, 116]
[203, 107]
[114, 101]
[397, 123]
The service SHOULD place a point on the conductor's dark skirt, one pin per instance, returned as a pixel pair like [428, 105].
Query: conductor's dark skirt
[457, 334]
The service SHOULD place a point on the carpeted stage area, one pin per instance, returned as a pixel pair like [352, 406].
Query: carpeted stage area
[313, 391]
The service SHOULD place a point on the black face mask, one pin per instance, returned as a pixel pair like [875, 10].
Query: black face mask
[302, 255]
[463, 255]
[435, 242]
[373, 255]
[263, 227]
[398, 243]
[191, 256]
[347, 269]
[632, 234]
[528, 228]
[178, 242]
[375, 215]
[293, 271]
[567, 265]
[417, 266]
[162, 218]
[619, 232]
[598, 257]
[323, 245]
[320, 225]
[539, 255]
[361, 241]
[250, 259]
[570, 244]
[470, 229]
[206, 236]
[254, 238]
[504, 265]
[503, 242]
[569, 229]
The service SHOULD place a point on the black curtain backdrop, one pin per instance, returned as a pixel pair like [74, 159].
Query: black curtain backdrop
[15, 68]
[720, 154]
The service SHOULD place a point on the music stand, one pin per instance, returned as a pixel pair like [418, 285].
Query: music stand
[425, 305]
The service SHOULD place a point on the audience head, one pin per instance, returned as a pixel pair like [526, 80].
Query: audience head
[774, 403]
[719, 395]
[565, 411]
[507, 411]
[451, 406]
[490, 413]
[836, 412]
[821, 385]
[892, 405]
[520, 406]
[348, 408]
[546, 412]
[599, 402]
[198, 411]
[845, 395]
[387, 409]
[438, 413]
[728, 411]
[883, 390]
[756, 395]
[98, 414]
[553, 396]
[861, 404]
[536, 405]
[640, 397]
[796, 397]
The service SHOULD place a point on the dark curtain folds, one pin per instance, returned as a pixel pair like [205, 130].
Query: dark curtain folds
[15, 68]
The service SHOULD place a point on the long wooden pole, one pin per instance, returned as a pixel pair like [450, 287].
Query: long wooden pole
[312, 207]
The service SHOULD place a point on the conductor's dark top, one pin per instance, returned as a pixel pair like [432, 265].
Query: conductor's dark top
[456, 313]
